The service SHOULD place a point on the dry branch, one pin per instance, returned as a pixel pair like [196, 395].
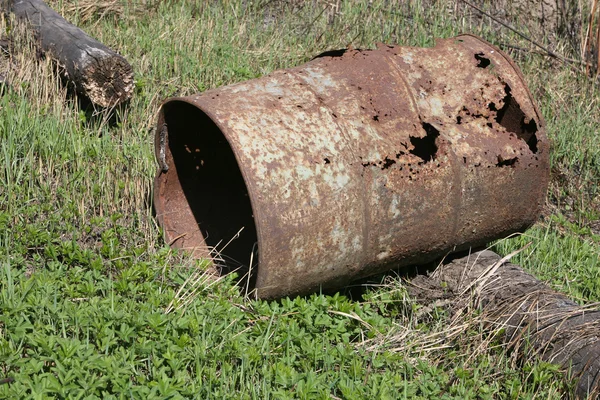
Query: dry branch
[96, 72]
[535, 320]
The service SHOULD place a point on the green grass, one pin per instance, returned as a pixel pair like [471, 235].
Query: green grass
[85, 277]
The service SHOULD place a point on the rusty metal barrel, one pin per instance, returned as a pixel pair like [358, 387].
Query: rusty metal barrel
[352, 164]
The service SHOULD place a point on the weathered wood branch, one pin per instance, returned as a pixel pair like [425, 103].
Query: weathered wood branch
[95, 71]
[535, 320]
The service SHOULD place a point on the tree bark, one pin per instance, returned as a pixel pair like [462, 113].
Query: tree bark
[535, 320]
[96, 72]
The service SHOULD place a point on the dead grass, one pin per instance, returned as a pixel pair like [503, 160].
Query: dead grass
[29, 73]
[493, 311]
[94, 12]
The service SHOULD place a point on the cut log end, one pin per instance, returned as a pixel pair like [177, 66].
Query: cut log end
[106, 81]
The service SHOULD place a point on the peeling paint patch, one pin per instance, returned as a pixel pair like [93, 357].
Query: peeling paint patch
[394, 210]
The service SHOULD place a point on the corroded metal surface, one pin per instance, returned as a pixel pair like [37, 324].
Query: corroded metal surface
[354, 163]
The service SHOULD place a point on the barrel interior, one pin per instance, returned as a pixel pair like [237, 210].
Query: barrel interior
[212, 184]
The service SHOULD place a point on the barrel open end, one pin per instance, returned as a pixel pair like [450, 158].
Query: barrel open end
[201, 199]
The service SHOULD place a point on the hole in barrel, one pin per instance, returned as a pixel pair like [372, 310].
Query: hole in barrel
[482, 61]
[425, 147]
[212, 185]
[513, 119]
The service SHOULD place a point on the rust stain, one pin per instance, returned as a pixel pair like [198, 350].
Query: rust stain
[354, 163]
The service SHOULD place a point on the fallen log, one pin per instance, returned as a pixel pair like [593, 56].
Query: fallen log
[95, 71]
[533, 319]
